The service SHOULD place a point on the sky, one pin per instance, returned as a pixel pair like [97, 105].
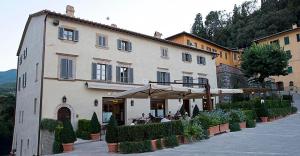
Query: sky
[144, 16]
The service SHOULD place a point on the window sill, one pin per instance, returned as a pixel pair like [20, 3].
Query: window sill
[101, 47]
[187, 61]
[165, 57]
[68, 41]
[124, 51]
[60, 79]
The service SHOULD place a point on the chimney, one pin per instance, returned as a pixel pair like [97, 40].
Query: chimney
[114, 25]
[70, 11]
[294, 26]
[157, 34]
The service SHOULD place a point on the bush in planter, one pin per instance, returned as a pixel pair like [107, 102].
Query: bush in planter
[250, 114]
[95, 126]
[193, 130]
[203, 120]
[171, 141]
[236, 116]
[250, 123]
[135, 147]
[294, 109]
[83, 131]
[195, 111]
[262, 111]
[67, 133]
[235, 126]
[111, 131]
[57, 144]
[158, 144]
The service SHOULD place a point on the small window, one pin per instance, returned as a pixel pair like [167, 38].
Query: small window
[189, 43]
[163, 78]
[186, 57]
[214, 50]
[19, 83]
[187, 81]
[226, 55]
[201, 60]
[24, 80]
[208, 48]
[164, 53]
[298, 37]
[289, 54]
[202, 82]
[195, 45]
[291, 83]
[286, 40]
[68, 34]
[25, 53]
[290, 69]
[67, 71]
[275, 42]
[20, 59]
[124, 75]
[22, 116]
[221, 54]
[35, 104]
[102, 41]
[27, 143]
[202, 46]
[124, 45]
[36, 71]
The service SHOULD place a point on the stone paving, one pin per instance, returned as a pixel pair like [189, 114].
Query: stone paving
[277, 138]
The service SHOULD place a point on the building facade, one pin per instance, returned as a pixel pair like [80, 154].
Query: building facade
[69, 68]
[289, 40]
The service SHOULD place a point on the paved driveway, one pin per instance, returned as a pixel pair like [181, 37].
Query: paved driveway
[278, 138]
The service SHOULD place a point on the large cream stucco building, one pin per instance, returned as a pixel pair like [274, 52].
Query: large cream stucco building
[69, 68]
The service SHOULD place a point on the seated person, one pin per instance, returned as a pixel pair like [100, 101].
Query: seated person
[151, 117]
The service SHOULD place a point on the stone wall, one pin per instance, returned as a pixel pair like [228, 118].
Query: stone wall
[47, 139]
[230, 77]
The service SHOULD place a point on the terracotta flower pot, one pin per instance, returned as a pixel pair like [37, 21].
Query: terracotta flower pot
[95, 136]
[153, 144]
[271, 119]
[214, 130]
[185, 140]
[242, 125]
[264, 119]
[179, 139]
[68, 147]
[224, 127]
[112, 147]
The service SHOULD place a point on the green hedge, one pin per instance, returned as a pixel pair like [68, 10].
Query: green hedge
[50, 124]
[135, 147]
[234, 127]
[250, 123]
[149, 131]
[255, 104]
[171, 141]
[250, 114]
[275, 112]
[83, 131]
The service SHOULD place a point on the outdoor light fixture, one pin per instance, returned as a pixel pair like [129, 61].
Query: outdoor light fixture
[193, 99]
[132, 102]
[64, 99]
[179, 99]
[96, 103]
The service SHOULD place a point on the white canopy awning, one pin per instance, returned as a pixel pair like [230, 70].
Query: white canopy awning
[110, 86]
[218, 91]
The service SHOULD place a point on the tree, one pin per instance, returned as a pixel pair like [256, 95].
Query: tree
[67, 133]
[111, 131]
[195, 111]
[198, 28]
[262, 61]
[95, 125]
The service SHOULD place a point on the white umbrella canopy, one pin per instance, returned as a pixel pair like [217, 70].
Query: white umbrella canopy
[218, 91]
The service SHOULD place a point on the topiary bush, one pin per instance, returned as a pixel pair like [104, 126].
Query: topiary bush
[195, 111]
[235, 126]
[135, 147]
[95, 126]
[57, 144]
[171, 141]
[111, 131]
[67, 133]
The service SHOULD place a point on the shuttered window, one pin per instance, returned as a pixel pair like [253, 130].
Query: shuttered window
[19, 83]
[163, 78]
[68, 34]
[102, 41]
[202, 82]
[186, 57]
[124, 74]
[286, 40]
[290, 69]
[187, 81]
[66, 69]
[201, 60]
[298, 37]
[101, 72]
[124, 45]
[24, 80]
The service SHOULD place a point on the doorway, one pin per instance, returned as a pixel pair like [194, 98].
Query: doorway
[115, 107]
[186, 106]
[63, 113]
[158, 107]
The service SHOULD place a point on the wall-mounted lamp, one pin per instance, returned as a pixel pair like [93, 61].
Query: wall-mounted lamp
[96, 103]
[64, 99]
[193, 99]
[179, 99]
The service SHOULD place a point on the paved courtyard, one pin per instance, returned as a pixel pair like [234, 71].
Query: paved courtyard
[278, 138]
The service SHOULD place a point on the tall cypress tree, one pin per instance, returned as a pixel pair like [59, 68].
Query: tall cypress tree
[198, 28]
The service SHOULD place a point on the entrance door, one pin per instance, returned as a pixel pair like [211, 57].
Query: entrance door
[158, 107]
[115, 107]
[186, 106]
[63, 114]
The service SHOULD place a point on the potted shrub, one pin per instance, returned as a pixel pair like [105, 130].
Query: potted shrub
[68, 136]
[111, 135]
[95, 128]
[214, 121]
[237, 116]
[263, 113]
[224, 126]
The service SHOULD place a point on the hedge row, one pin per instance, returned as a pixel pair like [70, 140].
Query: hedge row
[135, 147]
[254, 104]
[149, 131]
[50, 124]
[276, 112]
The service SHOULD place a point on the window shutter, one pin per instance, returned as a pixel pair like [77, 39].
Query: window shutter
[61, 33]
[130, 75]
[119, 45]
[204, 61]
[70, 69]
[63, 68]
[158, 76]
[25, 80]
[104, 41]
[99, 41]
[190, 58]
[76, 36]
[118, 76]
[198, 60]
[94, 71]
[129, 46]
[168, 78]
[108, 72]
[183, 57]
